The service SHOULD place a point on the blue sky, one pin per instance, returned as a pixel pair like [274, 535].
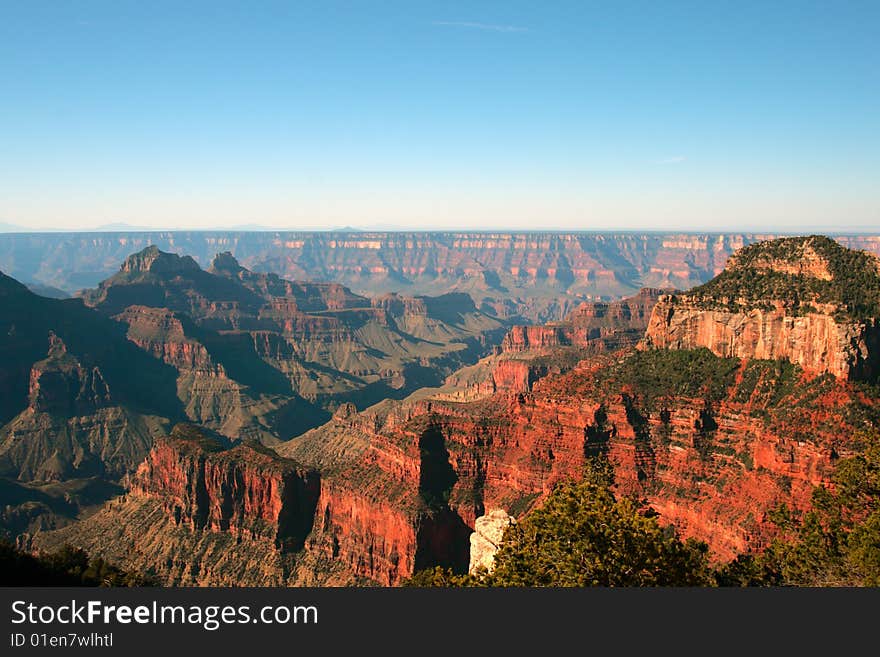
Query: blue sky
[563, 115]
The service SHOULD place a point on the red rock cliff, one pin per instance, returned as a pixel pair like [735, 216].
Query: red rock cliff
[807, 300]
[160, 332]
[816, 341]
[713, 470]
[247, 491]
[402, 484]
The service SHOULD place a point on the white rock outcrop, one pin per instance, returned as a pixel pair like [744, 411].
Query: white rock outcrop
[488, 531]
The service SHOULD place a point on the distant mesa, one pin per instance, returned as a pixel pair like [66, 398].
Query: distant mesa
[596, 326]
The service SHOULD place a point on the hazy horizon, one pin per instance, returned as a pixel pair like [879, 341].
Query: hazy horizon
[463, 116]
[9, 229]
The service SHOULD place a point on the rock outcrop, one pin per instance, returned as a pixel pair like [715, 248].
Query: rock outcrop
[516, 375]
[246, 490]
[805, 300]
[70, 408]
[369, 523]
[60, 385]
[486, 539]
[161, 332]
[597, 326]
[816, 341]
[152, 259]
[273, 336]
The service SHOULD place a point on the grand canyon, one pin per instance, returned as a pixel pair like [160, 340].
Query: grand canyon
[353, 408]
[537, 277]
[325, 326]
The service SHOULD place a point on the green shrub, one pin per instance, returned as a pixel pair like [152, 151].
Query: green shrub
[854, 284]
[68, 566]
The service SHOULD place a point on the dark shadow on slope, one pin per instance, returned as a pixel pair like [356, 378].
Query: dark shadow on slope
[238, 356]
[443, 537]
[449, 308]
[298, 504]
[134, 377]
[436, 474]
[296, 417]
[598, 434]
[645, 458]
[30, 508]
[705, 427]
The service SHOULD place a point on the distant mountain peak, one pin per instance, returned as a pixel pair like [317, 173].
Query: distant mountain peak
[151, 259]
[226, 262]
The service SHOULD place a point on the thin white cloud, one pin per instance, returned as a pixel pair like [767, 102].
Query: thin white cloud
[675, 159]
[488, 27]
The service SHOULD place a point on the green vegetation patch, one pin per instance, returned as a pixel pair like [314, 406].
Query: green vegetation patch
[662, 373]
[767, 381]
[854, 286]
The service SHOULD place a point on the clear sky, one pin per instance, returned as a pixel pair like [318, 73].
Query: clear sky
[563, 115]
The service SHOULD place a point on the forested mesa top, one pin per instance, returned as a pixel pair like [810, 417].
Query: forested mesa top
[799, 272]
